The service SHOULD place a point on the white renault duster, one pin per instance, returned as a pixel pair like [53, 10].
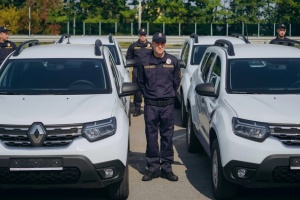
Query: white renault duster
[63, 122]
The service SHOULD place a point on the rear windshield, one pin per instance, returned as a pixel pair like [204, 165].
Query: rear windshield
[264, 76]
[54, 76]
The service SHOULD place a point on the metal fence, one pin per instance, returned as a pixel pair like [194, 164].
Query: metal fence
[181, 29]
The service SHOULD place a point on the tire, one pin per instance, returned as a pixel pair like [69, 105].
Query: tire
[222, 189]
[183, 113]
[120, 190]
[192, 142]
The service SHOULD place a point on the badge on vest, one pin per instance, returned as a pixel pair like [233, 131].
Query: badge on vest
[137, 47]
[149, 67]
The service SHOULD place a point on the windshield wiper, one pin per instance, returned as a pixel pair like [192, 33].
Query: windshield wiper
[244, 92]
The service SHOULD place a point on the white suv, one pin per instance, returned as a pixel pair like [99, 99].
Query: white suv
[243, 110]
[63, 119]
[191, 53]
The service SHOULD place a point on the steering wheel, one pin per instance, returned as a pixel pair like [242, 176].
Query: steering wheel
[82, 82]
[296, 84]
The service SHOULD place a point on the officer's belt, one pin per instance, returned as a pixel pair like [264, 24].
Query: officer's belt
[159, 103]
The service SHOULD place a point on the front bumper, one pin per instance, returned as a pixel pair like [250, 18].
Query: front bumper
[273, 171]
[78, 172]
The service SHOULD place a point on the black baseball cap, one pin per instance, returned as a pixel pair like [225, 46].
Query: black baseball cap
[159, 37]
[3, 29]
[281, 26]
[143, 31]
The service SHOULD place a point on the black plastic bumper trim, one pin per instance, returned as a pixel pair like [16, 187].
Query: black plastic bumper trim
[89, 176]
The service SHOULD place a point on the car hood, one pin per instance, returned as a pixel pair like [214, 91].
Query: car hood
[266, 108]
[56, 109]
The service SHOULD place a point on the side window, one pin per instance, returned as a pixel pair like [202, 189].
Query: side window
[207, 66]
[115, 71]
[185, 54]
[204, 61]
[215, 76]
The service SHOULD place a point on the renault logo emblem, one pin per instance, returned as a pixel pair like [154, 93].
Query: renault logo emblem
[37, 134]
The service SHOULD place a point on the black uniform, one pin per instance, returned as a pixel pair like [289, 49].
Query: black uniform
[281, 41]
[5, 49]
[159, 80]
[138, 50]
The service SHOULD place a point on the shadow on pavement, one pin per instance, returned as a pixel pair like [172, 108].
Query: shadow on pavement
[197, 166]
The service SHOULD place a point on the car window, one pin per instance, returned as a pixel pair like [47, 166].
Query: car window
[207, 66]
[264, 76]
[115, 71]
[185, 54]
[204, 61]
[197, 53]
[215, 76]
[114, 52]
[51, 76]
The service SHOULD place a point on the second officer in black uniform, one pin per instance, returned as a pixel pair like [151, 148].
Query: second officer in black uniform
[158, 78]
[6, 46]
[281, 38]
[138, 50]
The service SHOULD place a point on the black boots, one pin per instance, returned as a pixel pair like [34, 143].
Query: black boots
[150, 175]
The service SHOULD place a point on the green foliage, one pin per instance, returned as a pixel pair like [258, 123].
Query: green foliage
[47, 15]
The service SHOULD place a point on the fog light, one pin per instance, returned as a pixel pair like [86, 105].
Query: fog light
[241, 173]
[107, 172]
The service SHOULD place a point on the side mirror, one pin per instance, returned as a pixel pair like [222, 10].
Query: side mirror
[181, 63]
[205, 89]
[131, 63]
[129, 89]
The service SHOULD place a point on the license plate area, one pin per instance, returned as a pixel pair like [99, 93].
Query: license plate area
[35, 164]
[295, 163]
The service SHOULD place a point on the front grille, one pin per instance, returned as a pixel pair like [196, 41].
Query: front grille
[60, 135]
[67, 175]
[283, 174]
[287, 134]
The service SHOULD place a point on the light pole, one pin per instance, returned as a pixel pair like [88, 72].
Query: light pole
[29, 20]
[140, 13]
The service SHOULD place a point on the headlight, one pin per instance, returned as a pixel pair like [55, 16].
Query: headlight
[100, 129]
[251, 130]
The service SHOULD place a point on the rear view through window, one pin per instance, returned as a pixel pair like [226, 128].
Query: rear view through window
[54, 76]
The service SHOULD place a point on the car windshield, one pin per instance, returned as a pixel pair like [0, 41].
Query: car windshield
[197, 54]
[54, 76]
[264, 76]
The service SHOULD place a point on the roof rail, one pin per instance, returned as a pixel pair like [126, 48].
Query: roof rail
[21, 46]
[61, 39]
[98, 44]
[222, 43]
[195, 36]
[110, 38]
[287, 42]
[238, 35]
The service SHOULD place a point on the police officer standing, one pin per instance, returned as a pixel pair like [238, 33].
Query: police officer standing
[137, 50]
[6, 46]
[281, 38]
[158, 78]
